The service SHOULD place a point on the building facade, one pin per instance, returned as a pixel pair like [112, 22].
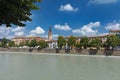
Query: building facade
[103, 38]
[18, 40]
[115, 32]
[50, 34]
[51, 43]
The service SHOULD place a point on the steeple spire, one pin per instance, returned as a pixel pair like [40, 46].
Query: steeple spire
[50, 30]
[50, 33]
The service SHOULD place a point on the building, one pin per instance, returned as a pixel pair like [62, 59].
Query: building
[50, 34]
[34, 37]
[115, 32]
[18, 40]
[51, 43]
[103, 38]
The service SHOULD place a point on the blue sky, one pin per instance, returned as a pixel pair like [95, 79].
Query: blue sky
[70, 17]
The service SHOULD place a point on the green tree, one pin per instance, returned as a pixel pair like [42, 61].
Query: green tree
[27, 43]
[77, 45]
[71, 41]
[33, 43]
[16, 12]
[112, 41]
[4, 42]
[61, 41]
[96, 43]
[0, 45]
[84, 42]
[21, 44]
[11, 44]
[42, 44]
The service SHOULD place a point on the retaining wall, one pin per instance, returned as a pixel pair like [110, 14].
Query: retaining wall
[82, 52]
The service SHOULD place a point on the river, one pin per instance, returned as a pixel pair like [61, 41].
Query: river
[58, 67]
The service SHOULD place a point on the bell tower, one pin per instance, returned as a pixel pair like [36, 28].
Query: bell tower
[50, 33]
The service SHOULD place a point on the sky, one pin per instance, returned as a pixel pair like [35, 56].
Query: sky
[69, 17]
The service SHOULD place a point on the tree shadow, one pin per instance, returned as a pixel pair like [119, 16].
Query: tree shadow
[39, 49]
[93, 51]
[31, 49]
[57, 50]
[67, 50]
[108, 52]
[78, 50]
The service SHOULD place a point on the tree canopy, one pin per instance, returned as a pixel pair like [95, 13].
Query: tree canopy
[27, 43]
[61, 41]
[77, 45]
[33, 43]
[112, 41]
[71, 41]
[42, 44]
[96, 43]
[4, 42]
[84, 42]
[11, 44]
[16, 12]
[21, 44]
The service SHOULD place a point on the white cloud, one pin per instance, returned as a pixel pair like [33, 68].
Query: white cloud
[55, 36]
[113, 26]
[102, 1]
[38, 30]
[62, 27]
[87, 30]
[11, 32]
[102, 34]
[17, 29]
[4, 31]
[68, 7]
[19, 33]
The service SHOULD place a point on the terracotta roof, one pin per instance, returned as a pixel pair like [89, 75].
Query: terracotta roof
[114, 31]
[33, 37]
[51, 41]
[98, 36]
[21, 37]
[77, 37]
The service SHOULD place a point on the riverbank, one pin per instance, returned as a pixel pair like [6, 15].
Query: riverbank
[75, 51]
[54, 54]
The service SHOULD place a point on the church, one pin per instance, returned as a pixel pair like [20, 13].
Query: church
[51, 43]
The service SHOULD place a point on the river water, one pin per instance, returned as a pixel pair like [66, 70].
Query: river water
[58, 67]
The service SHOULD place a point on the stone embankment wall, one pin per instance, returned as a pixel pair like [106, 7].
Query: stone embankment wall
[82, 52]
